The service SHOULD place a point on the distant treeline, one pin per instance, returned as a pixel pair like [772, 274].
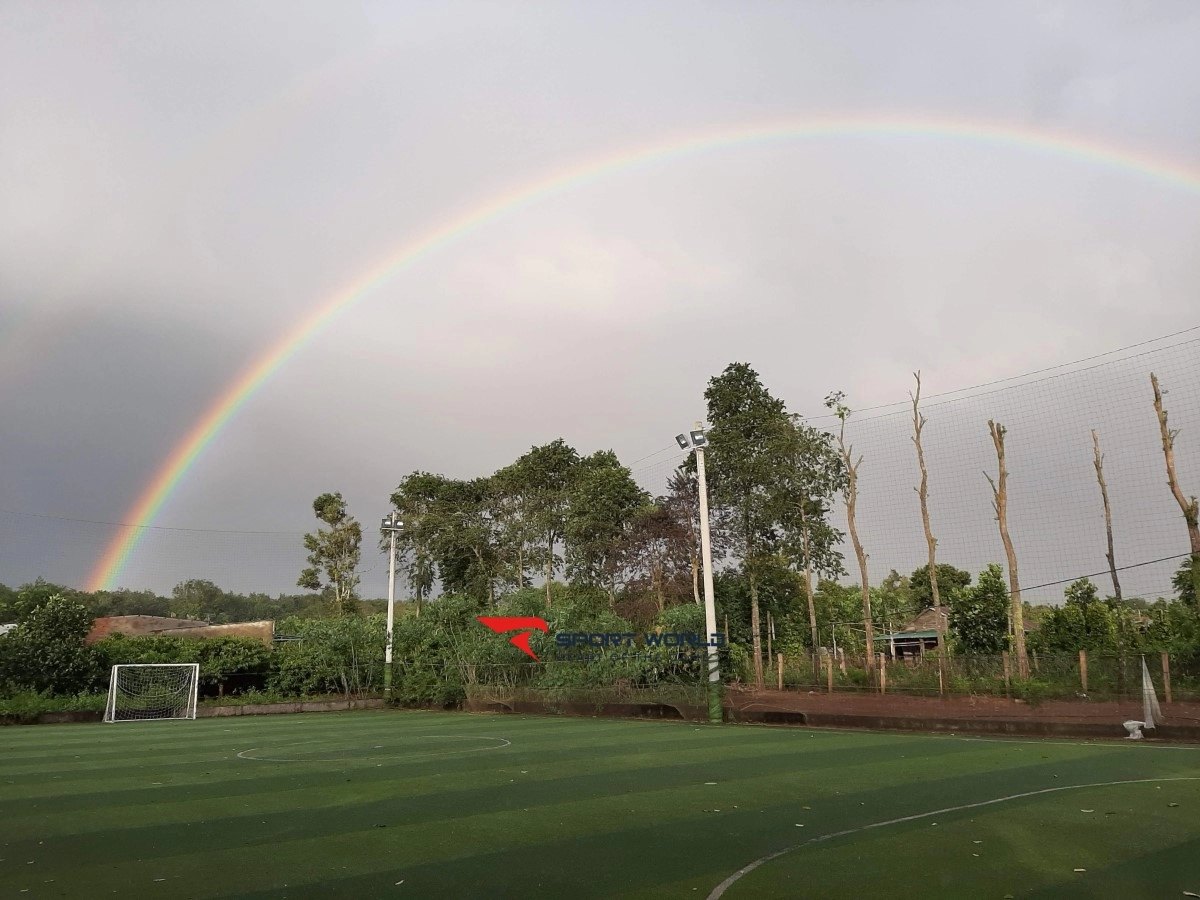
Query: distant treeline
[192, 599]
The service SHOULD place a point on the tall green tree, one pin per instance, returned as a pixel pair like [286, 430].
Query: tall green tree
[518, 529]
[661, 556]
[464, 542]
[196, 598]
[415, 500]
[816, 472]
[333, 553]
[951, 582]
[546, 473]
[682, 504]
[979, 615]
[1083, 622]
[604, 503]
[751, 444]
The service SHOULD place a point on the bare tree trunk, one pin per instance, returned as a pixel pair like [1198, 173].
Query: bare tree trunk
[612, 590]
[1112, 557]
[657, 578]
[851, 503]
[1000, 505]
[930, 540]
[754, 628]
[808, 591]
[696, 578]
[755, 621]
[1191, 510]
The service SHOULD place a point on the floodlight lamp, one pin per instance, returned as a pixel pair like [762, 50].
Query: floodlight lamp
[699, 439]
[682, 441]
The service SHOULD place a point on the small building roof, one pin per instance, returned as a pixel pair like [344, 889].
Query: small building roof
[907, 636]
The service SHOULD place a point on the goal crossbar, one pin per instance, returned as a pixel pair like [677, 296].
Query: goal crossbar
[139, 692]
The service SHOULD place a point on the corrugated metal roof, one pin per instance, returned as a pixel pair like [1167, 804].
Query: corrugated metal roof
[901, 635]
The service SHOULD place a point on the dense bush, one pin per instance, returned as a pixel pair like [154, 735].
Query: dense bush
[222, 660]
[46, 652]
[341, 655]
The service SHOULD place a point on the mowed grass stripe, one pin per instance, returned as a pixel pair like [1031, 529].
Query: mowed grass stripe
[426, 798]
[269, 815]
[574, 777]
[572, 835]
[689, 755]
[74, 778]
[629, 773]
[1028, 844]
[48, 741]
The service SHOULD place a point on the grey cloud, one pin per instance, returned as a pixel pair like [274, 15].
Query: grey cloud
[181, 193]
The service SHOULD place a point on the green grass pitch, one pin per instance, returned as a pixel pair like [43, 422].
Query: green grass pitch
[414, 804]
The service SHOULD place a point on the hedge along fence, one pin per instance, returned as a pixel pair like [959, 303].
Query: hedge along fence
[1051, 676]
[241, 662]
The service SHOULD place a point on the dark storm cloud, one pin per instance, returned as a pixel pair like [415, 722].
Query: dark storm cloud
[83, 435]
[181, 186]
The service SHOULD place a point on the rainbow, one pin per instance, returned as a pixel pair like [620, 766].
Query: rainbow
[109, 568]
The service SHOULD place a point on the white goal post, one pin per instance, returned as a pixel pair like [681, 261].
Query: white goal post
[145, 691]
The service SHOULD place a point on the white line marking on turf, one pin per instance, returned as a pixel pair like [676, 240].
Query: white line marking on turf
[504, 742]
[747, 869]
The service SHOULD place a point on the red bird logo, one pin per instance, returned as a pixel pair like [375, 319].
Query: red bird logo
[526, 624]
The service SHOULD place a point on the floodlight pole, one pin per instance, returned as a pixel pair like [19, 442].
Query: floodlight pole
[715, 715]
[391, 524]
[696, 441]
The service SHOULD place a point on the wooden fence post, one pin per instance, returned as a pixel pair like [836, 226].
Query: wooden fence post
[1007, 670]
[829, 672]
[1083, 669]
[1035, 662]
[883, 673]
[1166, 678]
[781, 671]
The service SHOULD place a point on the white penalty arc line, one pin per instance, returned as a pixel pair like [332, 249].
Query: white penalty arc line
[746, 870]
[504, 742]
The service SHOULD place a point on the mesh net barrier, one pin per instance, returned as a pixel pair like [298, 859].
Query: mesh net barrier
[152, 692]
[1052, 676]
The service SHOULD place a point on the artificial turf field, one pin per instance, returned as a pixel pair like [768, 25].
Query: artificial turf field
[415, 804]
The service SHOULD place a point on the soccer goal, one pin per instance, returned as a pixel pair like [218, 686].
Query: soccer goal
[152, 691]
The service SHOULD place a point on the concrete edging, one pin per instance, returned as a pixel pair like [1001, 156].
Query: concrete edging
[207, 712]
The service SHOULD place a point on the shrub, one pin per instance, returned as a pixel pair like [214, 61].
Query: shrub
[45, 653]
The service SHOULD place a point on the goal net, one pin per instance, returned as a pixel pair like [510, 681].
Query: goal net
[1151, 713]
[149, 691]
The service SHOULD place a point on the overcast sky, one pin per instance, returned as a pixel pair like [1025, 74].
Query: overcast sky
[180, 184]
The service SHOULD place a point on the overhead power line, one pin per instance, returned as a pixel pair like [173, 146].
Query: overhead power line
[29, 515]
[1148, 562]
